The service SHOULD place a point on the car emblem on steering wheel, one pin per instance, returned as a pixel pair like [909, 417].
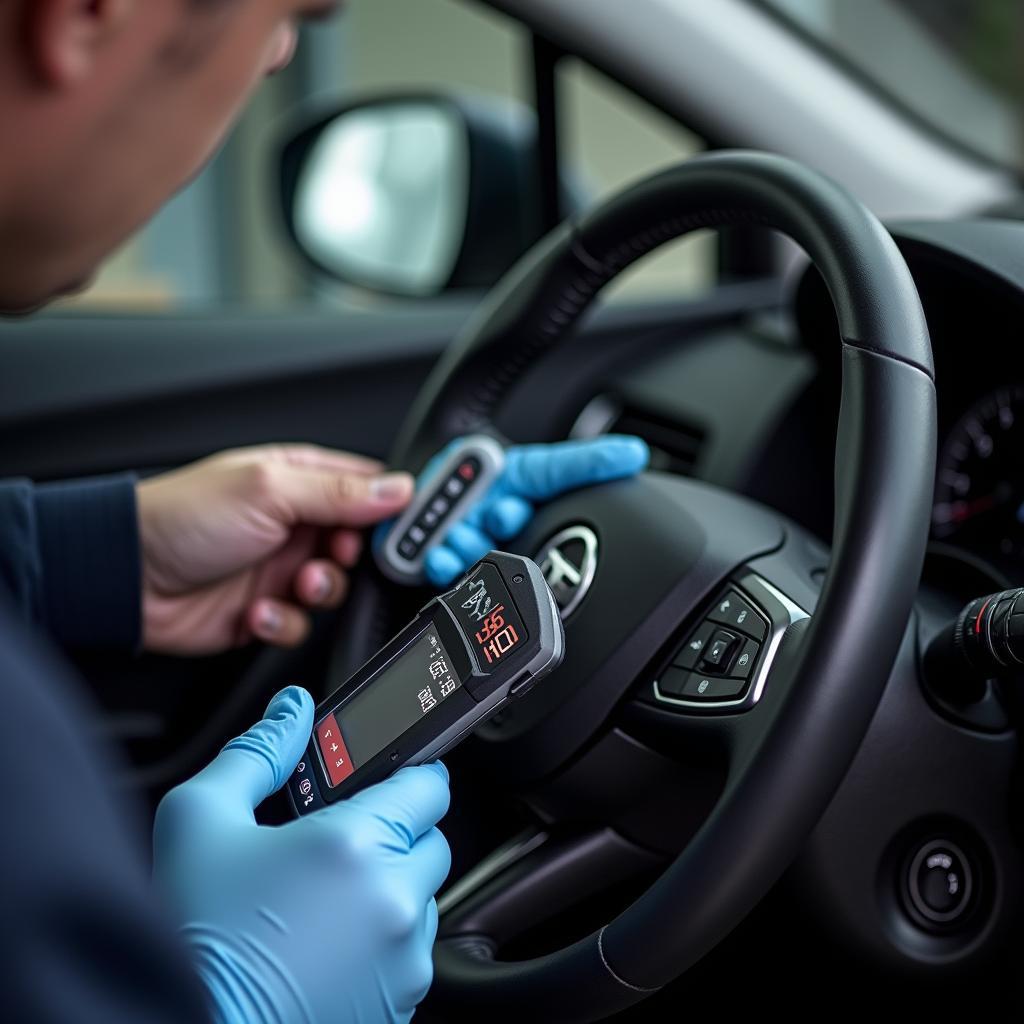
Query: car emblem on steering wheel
[569, 561]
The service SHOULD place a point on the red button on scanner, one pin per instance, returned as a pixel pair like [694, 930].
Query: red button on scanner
[335, 753]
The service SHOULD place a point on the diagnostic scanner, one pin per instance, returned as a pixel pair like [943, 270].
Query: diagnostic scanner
[463, 477]
[469, 651]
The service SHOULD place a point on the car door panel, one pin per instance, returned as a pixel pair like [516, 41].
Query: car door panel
[98, 394]
[174, 388]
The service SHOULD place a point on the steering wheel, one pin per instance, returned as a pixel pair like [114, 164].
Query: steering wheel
[789, 744]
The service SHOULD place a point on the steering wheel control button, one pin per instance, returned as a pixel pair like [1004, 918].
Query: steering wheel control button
[700, 687]
[672, 682]
[736, 612]
[690, 653]
[725, 661]
[939, 883]
[744, 663]
[717, 653]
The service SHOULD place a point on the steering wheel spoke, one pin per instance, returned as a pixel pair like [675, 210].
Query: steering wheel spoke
[533, 878]
[665, 545]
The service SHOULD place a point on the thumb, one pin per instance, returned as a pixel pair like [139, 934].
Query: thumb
[323, 498]
[409, 803]
[257, 763]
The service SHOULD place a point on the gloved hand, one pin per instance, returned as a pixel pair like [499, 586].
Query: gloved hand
[533, 473]
[328, 918]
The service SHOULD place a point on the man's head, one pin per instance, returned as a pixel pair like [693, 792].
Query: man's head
[107, 107]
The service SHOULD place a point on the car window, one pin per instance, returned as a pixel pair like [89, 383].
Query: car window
[221, 243]
[611, 138]
[956, 65]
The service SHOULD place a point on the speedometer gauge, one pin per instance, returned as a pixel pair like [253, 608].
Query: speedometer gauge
[979, 496]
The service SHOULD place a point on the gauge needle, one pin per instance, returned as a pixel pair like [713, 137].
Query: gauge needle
[964, 510]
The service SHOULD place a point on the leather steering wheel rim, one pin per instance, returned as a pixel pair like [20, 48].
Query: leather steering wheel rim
[840, 662]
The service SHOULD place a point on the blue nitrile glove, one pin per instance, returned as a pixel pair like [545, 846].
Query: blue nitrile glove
[533, 473]
[327, 918]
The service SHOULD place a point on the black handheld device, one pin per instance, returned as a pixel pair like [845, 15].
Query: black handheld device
[467, 652]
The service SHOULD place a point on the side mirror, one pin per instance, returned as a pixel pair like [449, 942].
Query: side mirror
[414, 195]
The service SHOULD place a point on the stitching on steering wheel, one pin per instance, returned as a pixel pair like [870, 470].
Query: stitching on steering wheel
[641, 244]
[579, 293]
[611, 970]
[560, 318]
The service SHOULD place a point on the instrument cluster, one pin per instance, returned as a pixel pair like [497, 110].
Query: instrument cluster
[979, 493]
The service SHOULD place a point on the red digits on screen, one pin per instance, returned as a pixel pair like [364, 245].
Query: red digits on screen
[491, 625]
[501, 644]
[495, 637]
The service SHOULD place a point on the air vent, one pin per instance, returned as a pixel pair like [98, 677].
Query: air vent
[675, 445]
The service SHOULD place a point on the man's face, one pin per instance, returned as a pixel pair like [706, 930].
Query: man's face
[118, 103]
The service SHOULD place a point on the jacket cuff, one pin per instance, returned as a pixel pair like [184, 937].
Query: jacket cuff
[88, 536]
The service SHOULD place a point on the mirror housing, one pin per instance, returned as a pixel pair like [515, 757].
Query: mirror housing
[414, 195]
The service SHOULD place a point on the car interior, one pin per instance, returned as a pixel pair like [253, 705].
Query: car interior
[766, 770]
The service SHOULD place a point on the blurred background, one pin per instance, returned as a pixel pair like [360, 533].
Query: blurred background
[956, 66]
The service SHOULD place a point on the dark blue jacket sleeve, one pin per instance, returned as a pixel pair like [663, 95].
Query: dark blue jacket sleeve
[83, 937]
[69, 557]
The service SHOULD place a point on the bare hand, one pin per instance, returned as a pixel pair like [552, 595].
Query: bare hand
[237, 546]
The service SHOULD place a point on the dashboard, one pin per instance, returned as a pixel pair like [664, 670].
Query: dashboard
[979, 493]
[971, 278]
[752, 407]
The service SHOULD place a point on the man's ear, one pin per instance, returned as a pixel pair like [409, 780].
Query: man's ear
[67, 38]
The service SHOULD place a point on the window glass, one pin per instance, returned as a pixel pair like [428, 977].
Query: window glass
[611, 138]
[220, 241]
